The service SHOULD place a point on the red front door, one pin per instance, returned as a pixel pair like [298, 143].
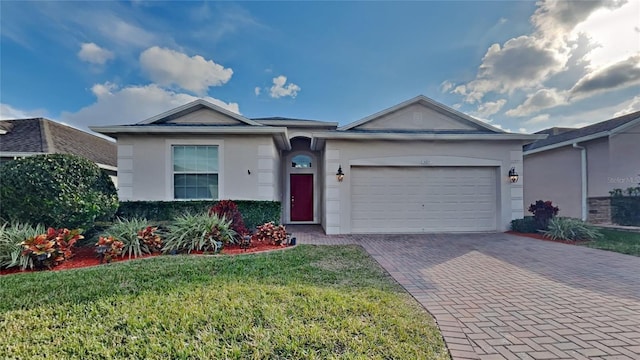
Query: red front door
[301, 186]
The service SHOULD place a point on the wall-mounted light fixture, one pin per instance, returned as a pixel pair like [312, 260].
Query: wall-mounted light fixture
[340, 174]
[513, 175]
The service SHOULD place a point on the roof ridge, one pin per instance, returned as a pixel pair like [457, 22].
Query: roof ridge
[45, 136]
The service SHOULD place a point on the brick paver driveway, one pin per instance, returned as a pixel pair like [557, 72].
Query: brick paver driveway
[499, 296]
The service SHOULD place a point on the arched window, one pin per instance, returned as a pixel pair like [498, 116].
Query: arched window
[301, 161]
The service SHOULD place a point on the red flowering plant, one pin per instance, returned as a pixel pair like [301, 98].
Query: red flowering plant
[149, 238]
[49, 249]
[108, 248]
[229, 210]
[543, 212]
[270, 233]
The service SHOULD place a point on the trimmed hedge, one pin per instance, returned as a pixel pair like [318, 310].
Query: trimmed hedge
[526, 225]
[625, 210]
[253, 212]
[56, 190]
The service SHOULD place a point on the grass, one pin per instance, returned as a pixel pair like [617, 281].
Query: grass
[623, 242]
[311, 302]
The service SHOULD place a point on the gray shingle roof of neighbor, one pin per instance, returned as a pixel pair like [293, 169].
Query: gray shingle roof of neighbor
[596, 128]
[39, 135]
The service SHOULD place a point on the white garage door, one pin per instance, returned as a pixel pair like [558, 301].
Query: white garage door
[423, 199]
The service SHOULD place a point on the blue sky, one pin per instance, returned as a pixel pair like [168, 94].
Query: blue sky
[520, 65]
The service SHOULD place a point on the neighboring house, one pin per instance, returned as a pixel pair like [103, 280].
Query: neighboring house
[576, 168]
[26, 137]
[418, 166]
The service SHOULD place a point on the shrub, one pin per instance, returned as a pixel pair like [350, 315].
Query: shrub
[229, 210]
[108, 248]
[543, 211]
[527, 224]
[625, 206]
[11, 236]
[270, 233]
[571, 229]
[254, 212]
[49, 249]
[56, 190]
[137, 236]
[199, 232]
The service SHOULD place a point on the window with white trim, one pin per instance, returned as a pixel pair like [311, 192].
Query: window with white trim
[195, 171]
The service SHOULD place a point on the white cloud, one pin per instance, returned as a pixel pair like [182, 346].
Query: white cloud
[619, 75]
[446, 85]
[92, 53]
[490, 108]
[279, 89]
[257, 90]
[8, 112]
[522, 130]
[538, 119]
[631, 106]
[540, 100]
[168, 67]
[131, 104]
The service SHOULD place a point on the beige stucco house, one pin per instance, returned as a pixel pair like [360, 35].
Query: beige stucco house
[576, 168]
[418, 166]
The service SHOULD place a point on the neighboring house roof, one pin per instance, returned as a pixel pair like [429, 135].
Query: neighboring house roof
[591, 132]
[43, 136]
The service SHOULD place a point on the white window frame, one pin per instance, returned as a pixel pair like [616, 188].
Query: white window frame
[170, 143]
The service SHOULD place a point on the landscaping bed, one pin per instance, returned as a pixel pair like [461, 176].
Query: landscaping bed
[312, 302]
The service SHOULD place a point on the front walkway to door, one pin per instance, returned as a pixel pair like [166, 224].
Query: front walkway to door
[498, 296]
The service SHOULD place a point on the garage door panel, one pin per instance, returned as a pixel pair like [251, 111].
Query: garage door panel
[423, 199]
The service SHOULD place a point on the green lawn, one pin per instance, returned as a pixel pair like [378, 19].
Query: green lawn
[311, 302]
[619, 241]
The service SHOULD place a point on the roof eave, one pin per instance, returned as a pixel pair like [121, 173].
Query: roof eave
[423, 136]
[279, 133]
[567, 142]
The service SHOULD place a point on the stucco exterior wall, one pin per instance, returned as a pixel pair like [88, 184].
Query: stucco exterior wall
[624, 159]
[501, 155]
[597, 167]
[554, 175]
[248, 166]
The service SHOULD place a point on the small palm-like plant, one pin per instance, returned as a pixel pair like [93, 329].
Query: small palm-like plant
[571, 229]
[11, 235]
[137, 236]
[199, 232]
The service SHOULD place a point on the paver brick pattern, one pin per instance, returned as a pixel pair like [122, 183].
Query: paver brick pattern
[499, 296]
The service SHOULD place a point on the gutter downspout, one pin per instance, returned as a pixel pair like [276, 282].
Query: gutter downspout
[583, 173]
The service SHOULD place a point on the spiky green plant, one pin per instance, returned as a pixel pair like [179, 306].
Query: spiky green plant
[199, 232]
[11, 235]
[571, 229]
[126, 231]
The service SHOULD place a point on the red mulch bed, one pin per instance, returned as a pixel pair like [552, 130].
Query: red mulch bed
[86, 256]
[542, 237]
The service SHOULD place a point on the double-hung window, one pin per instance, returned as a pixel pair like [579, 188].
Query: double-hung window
[195, 171]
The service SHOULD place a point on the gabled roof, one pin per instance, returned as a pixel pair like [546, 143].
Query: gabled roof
[421, 99]
[591, 132]
[282, 121]
[43, 136]
[195, 106]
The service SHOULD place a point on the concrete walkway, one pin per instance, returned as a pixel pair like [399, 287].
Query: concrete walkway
[499, 296]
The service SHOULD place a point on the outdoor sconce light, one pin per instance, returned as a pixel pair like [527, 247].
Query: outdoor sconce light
[340, 174]
[513, 175]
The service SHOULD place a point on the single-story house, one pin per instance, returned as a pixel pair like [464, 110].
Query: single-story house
[418, 166]
[35, 136]
[576, 168]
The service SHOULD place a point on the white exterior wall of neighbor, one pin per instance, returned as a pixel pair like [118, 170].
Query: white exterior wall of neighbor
[624, 159]
[248, 166]
[500, 155]
[554, 175]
